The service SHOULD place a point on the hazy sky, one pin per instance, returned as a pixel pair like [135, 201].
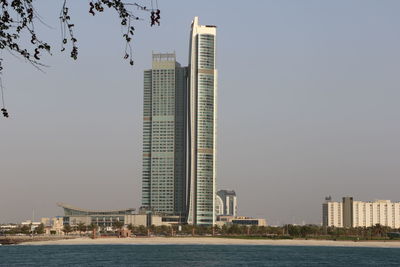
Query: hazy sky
[309, 106]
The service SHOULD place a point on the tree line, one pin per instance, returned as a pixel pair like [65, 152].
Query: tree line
[286, 231]
[26, 229]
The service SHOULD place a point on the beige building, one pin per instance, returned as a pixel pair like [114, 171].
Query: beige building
[361, 213]
[144, 220]
[383, 212]
[136, 219]
[332, 213]
[53, 226]
[248, 221]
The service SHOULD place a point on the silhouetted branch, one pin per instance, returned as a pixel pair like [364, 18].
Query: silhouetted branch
[17, 18]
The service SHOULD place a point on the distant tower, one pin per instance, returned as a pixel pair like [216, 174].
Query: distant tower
[219, 206]
[164, 136]
[229, 202]
[202, 124]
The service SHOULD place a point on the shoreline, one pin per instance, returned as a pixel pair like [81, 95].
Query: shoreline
[15, 240]
[213, 241]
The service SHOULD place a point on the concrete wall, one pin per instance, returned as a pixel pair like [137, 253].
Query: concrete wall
[136, 219]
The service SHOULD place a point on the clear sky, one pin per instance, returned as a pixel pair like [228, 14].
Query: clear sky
[308, 107]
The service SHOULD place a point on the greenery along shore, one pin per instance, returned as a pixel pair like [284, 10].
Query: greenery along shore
[289, 231]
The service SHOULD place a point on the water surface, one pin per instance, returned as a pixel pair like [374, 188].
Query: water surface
[195, 255]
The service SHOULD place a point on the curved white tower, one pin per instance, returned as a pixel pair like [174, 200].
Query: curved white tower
[202, 124]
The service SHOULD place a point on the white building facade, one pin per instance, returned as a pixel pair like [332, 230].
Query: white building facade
[363, 214]
[383, 212]
[202, 124]
[226, 203]
[332, 214]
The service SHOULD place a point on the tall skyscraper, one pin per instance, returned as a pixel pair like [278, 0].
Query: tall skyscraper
[202, 124]
[165, 136]
[179, 129]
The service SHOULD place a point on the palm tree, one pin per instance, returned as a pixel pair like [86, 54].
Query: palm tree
[262, 230]
[187, 229]
[131, 228]
[224, 229]
[164, 230]
[253, 230]
[151, 229]
[67, 229]
[118, 225]
[234, 229]
[92, 227]
[142, 230]
[216, 229]
[81, 227]
[40, 229]
[377, 230]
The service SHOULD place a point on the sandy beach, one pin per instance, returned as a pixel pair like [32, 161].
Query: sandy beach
[213, 241]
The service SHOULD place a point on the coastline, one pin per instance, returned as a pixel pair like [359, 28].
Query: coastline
[214, 241]
[16, 239]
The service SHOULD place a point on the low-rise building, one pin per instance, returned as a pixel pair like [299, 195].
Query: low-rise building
[248, 221]
[53, 226]
[137, 219]
[223, 220]
[33, 225]
[104, 218]
[144, 220]
[229, 220]
[7, 227]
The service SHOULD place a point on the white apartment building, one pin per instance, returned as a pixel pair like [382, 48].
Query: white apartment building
[332, 213]
[361, 213]
[383, 212]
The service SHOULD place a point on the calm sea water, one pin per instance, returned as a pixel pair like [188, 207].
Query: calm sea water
[195, 255]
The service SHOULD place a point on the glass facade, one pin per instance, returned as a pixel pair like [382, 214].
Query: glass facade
[202, 124]
[179, 133]
[73, 216]
[164, 147]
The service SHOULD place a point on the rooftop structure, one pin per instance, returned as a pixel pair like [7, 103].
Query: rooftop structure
[74, 211]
